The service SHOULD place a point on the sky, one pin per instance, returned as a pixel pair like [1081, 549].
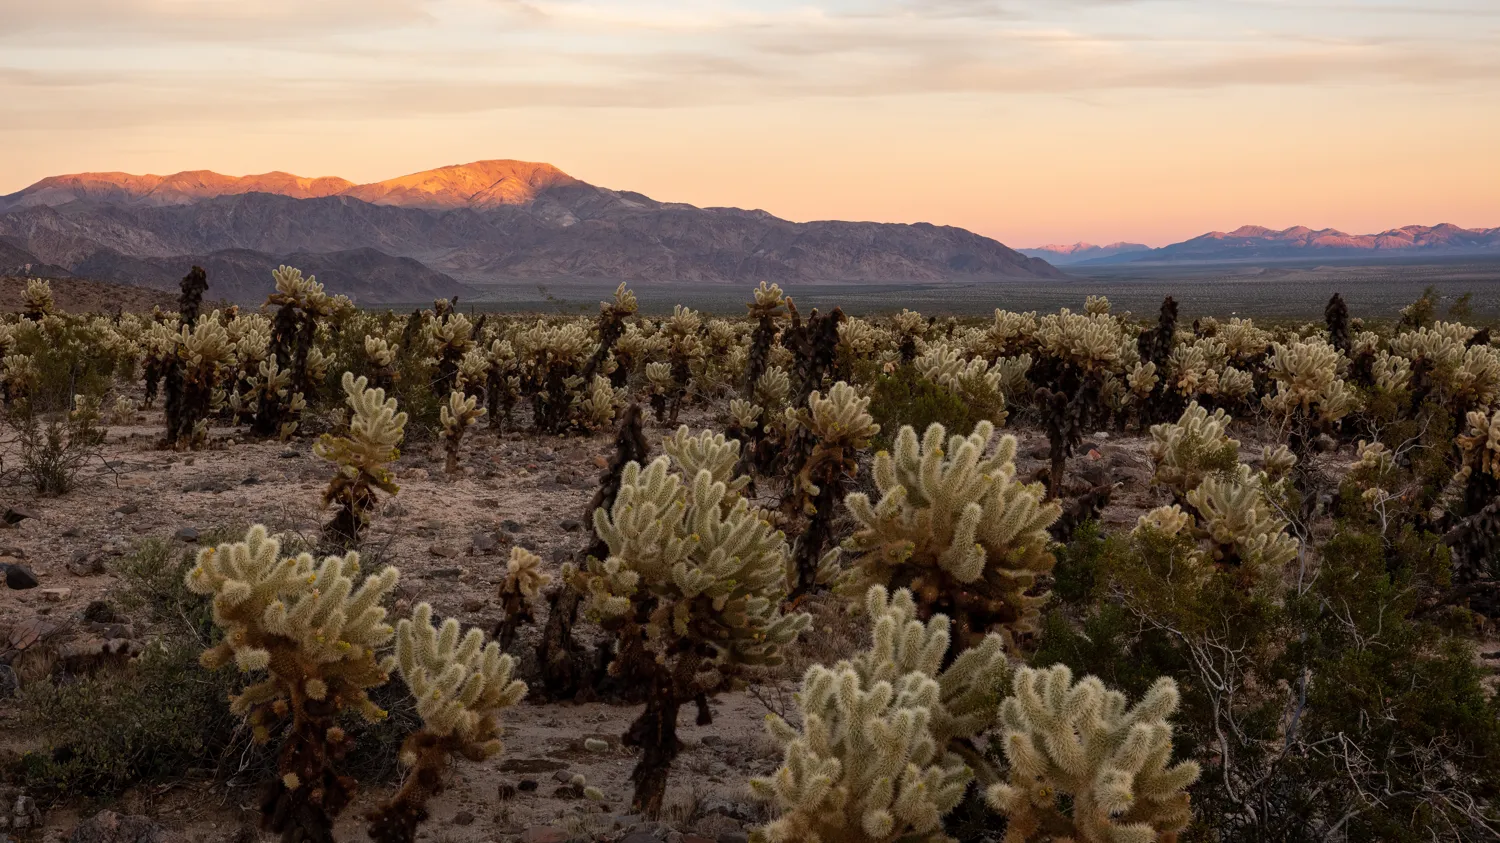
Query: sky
[1031, 121]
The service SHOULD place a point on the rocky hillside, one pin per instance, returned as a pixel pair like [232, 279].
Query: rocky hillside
[484, 223]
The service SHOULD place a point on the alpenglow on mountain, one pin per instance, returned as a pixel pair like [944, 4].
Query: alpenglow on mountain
[443, 232]
[1258, 243]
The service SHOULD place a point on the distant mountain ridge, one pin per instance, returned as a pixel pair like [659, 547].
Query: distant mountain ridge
[481, 223]
[1060, 255]
[1254, 242]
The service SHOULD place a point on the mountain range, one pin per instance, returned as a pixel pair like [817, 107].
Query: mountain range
[1059, 255]
[1258, 243]
[439, 232]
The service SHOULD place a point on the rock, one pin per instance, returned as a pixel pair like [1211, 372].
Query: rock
[712, 740]
[15, 515]
[531, 765]
[733, 837]
[564, 775]
[526, 785]
[445, 573]
[545, 834]
[110, 827]
[561, 555]
[601, 462]
[473, 604]
[463, 818]
[288, 454]
[443, 551]
[186, 534]
[85, 563]
[127, 509]
[18, 577]
[252, 480]
[24, 813]
[511, 526]
[570, 525]
[56, 595]
[71, 533]
[640, 837]
[484, 544]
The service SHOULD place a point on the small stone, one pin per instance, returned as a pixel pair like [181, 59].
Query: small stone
[70, 533]
[127, 509]
[56, 595]
[564, 775]
[472, 605]
[445, 573]
[733, 837]
[252, 480]
[712, 740]
[526, 785]
[640, 837]
[443, 551]
[484, 544]
[570, 525]
[85, 563]
[601, 462]
[511, 526]
[545, 834]
[561, 555]
[463, 818]
[18, 577]
[288, 454]
[186, 534]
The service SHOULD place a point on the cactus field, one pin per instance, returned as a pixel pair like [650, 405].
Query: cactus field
[322, 573]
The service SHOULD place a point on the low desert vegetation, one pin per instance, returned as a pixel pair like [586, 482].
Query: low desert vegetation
[1288, 644]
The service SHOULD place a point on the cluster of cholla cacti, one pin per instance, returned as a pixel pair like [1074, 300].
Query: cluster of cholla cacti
[1051, 631]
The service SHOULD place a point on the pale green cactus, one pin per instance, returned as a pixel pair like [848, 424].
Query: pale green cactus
[1085, 767]
[363, 457]
[1308, 385]
[972, 379]
[597, 409]
[692, 584]
[1096, 305]
[457, 416]
[872, 761]
[460, 684]
[1192, 448]
[1236, 516]
[36, 299]
[300, 620]
[953, 521]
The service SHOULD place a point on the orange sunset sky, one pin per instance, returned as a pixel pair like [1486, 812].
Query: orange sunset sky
[1032, 121]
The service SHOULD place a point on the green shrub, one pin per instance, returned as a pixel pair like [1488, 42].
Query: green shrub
[905, 397]
[159, 719]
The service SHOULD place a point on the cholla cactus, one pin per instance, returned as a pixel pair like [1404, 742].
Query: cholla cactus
[36, 300]
[202, 350]
[958, 529]
[1096, 305]
[972, 380]
[692, 584]
[382, 356]
[554, 357]
[457, 416]
[303, 623]
[874, 761]
[841, 427]
[519, 593]
[1083, 767]
[1242, 527]
[1308, 386]
[1479, 448]
[611, 325]
[460, 685]
[768, 308]
[1196, 446]
[597, 410]
[300, 302]
[450, 337]
[363, 458]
